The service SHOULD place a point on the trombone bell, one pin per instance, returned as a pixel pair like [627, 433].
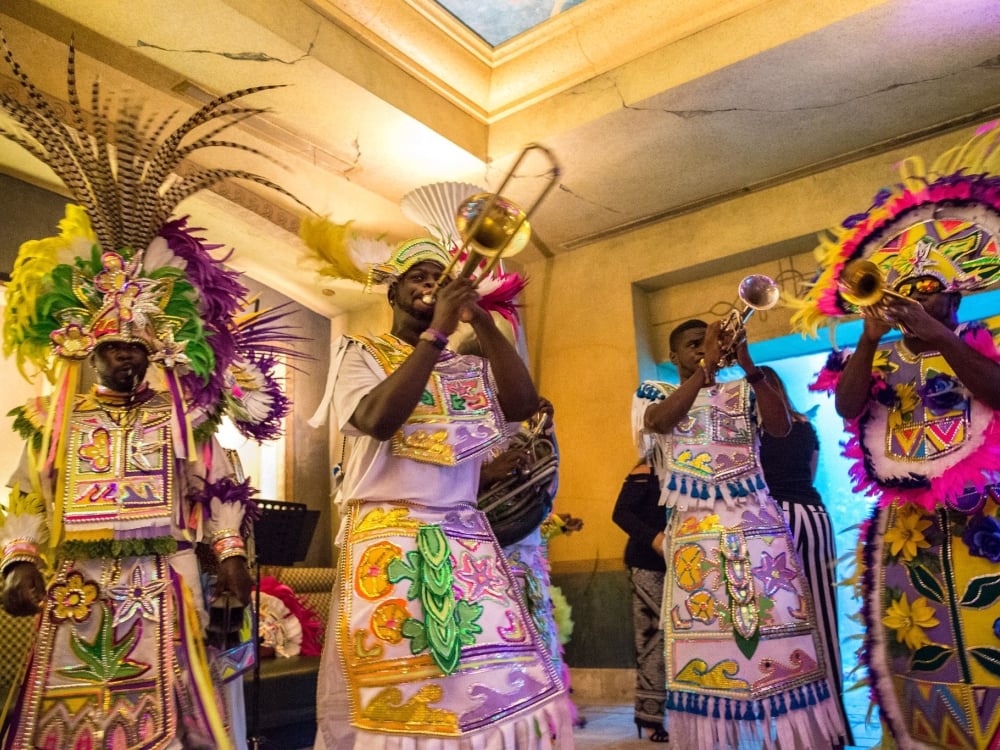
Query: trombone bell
[492, 226]
[504, 229]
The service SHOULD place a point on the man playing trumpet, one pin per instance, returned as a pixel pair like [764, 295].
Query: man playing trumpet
[742, 653]
[924, 412]
[922, 415]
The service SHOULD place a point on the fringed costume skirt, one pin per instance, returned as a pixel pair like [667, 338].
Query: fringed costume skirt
[743, 659]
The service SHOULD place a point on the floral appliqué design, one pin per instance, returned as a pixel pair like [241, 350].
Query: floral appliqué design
[909, 620]
[480, 578]
[982, 537]
[137, 596]
[906, 537]
[72, 598]
[774, 574]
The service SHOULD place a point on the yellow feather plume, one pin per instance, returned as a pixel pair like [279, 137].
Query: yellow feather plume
[329, 241]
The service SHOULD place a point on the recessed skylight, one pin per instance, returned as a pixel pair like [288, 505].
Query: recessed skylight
[497, 21]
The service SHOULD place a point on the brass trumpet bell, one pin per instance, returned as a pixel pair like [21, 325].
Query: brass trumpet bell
[757, 292]
[861, 284]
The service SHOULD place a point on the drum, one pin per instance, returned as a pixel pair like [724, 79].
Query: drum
[517, 504]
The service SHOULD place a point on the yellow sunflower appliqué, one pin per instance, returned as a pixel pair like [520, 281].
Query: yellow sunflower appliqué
[72, 598]
[906, 537]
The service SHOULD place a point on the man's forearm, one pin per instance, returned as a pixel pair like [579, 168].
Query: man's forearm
[518, 396]
[852, 388]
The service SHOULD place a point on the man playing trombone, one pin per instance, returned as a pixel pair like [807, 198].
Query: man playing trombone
[429, 639]
[742, 652]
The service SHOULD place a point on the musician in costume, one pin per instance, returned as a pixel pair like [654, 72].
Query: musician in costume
[120, 481]
[430, 642]
[923, 417]
[516, 490]
[743, 663]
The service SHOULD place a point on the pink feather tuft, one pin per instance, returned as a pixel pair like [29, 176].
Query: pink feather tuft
[499, 292]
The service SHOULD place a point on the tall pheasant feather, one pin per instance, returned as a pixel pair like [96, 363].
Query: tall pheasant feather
[126, 172]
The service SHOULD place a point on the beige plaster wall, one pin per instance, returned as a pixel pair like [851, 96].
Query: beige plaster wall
[590, 327]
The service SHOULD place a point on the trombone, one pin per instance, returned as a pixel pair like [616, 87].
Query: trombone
[757, 292]
[491, 225]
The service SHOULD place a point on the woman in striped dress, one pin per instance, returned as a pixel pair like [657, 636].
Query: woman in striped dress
[789, 465]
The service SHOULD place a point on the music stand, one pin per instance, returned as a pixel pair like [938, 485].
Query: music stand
[282, 536]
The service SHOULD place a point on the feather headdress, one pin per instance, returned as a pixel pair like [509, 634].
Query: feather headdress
[942, 222]
[121, 268]
[339, 252]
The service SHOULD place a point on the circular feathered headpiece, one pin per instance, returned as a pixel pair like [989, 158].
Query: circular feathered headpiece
[941, 222]
[122, 269]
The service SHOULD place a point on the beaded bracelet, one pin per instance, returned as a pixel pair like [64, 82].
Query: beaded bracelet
[228, 543]
[18, 550]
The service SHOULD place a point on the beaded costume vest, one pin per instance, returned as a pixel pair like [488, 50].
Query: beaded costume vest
[928, 412]
[458, 416]
[712, 452]
[120, 472]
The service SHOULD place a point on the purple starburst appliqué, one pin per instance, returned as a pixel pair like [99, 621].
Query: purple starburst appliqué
[774, 574]
[480, 578]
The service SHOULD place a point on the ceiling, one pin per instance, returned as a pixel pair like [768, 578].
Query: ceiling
[652, 107]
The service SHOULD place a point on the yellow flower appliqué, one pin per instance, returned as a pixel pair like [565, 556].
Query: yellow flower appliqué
[906, 537]
[72, 598]
[908, 398]
[909, 621]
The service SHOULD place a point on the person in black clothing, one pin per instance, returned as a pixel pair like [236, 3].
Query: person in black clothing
[640, 515]
[789, 465]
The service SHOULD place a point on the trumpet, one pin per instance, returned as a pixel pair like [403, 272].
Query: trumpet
[861, 284]
[492, 226]
[757, 292]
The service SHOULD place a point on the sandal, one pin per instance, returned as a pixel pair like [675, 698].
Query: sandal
[659, 735]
